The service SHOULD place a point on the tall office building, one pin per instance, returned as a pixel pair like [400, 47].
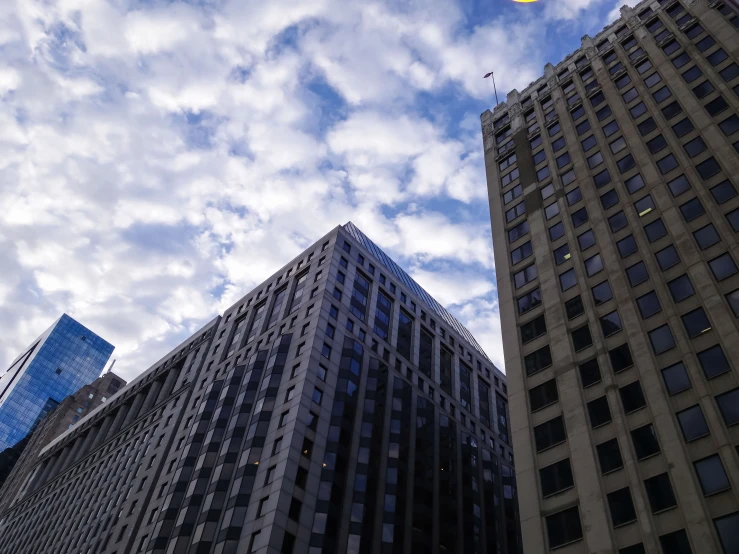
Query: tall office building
[614, 212]
[17, 462]
[55, 365]
[336, 408]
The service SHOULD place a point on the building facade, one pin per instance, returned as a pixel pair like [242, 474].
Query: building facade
[336, 408]
[66, 357]
[614, 210]
[17, 462]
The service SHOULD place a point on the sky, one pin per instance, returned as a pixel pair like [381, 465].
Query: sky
[162, 158]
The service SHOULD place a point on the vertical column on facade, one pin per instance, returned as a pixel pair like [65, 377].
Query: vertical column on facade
[169, 384]
[133, 413]
[86, 443]
[43, 473]
[69, 453]
[151, 396]
[103, 432]
[118, 421]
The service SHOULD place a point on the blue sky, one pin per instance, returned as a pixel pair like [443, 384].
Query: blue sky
[162, 158]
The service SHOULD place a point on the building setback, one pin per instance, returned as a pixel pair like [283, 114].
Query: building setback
[17, 462]
[335, 408]
[614, 212]
[67, 356]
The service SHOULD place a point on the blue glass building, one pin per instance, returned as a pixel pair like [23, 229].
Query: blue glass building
[63, 359]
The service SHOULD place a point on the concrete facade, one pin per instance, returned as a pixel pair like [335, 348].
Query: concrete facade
[335, 408]
[588, 279]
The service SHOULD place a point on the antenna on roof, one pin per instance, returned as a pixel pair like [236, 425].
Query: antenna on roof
[110, 367]
[494, 89]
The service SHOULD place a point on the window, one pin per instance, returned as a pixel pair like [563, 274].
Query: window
[626, 163]
[556, 478]
[602, 179]
[659, 492]
[549, 433]
[706, 236]
[617, 145]
[542, 173]
[645, 442]
[609, 199]
[574, 307]
[547, 191]
[543, 395]
[558, 144]
[574, 196]
[711, 475]
[529, 301]
[656, 144]
[730, 125]
[621, 507]
[589, 143]
[595, 160]
[733, 219]
[538, 360]
[722, 266]
[609, 456]
[713, 362]
[535, 142]
[551, 210]
[648, 305]
[620, 358]
[630, 95]
[676, 378]
[593, 265]
[692, 423]
[717, 56]
[554, 129]
[692, 209]
[731, 70]
[518, 231]
[728, 405]
[564, 527]
[626, 246]
[723, 192]
[581, 338]
[692, 74]
[667, 257]
[597, 99]
[512, 194]
[317, 396]
[632, 397]
[727, 528]
[644, 205]
[703, 89]
[579, 217]
[589, 372]
[534, 328]
[637, 273]
[617, 221]
[675, 543]
[696, 322]
[638, 110]
[693, 31]
[733, 299]
[634, 183]
[661, 94]
[647, 126]
[672, 110]
[621, 82]
[655, 230]
[682, 127]
[681, 288]
[610, 324]
[521, 253]
[515, 212]
[583, 127]
[661, 339]
[602, 293]
[568, 279]
[667, 164]
[610, 128]
[524, 276]
[599, 412]
[562, 254]
[716, 106]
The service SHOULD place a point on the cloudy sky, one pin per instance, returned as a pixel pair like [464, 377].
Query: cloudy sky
[161, 158]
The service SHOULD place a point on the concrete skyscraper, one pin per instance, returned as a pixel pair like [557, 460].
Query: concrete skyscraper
[614, 209]
[335, 408]
[55, 365]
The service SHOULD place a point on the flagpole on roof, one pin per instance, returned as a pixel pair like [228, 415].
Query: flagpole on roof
[494, 89]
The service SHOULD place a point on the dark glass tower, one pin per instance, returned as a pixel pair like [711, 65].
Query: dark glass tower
[336, 408]
[66, 357]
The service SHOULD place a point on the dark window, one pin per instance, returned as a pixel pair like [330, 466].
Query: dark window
[626, 163]
[562, 254]
[662, 94]
[692, 209]
[692, 74]
[632, 397]
[577, 113]
[556, 231]
[670, 47]
[581, 338]
[733, 219]
[667, 257]
[706, 236]
[703, 89]
[536, 141]
[564, 527]
[717, 56]
[543, 395]
[551, 210]
[676, 378]
[554, 129]
[602, 178]
[547, 191]
[638, 110]
[521, 253]
[682, 127]
[556, 478]
[723, 266]
[589, 372]
[643, 67]
[645, 442]
[597, 99]
[599, 412]
[671, 110]
[652, 80]
[667, 164]
[610, 128]
[713, 362]
[589, 143]
[661, 339]
[647, 126]
[630, 95]
[659, 492]
[675, 543]
[534, 328]
[692, 423]
[529, 301]
[730, 125]
[678, 185]
[716, 106]
[656, 144]
[602, 293]
[609, 199]
[526, 275]
[694, 147]
[583, 127]
[705, 43]
[609, 456]
[568, 178]
[549, 433]
[723, 192]
[621, 507]
[542, 173]
[610, 324]
[621, 358]
[539, 157]
[733, 299]
[655, 230]
[558, 144]
[515, 212]
[538, 360]
[728, 405]
[579, 217]
[574, 307]
[637, 273]
[711, 475]
[621, 82]
[595, 160]
[617, 221]
[694, 31]
[574, 196]
[727, 526]
[593, 265]
[568, 279]
[511, 195]
[627, 246]
[732, 70]
[681, 288]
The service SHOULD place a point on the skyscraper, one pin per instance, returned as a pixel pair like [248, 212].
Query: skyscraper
[614, 211]
[335, 408]
[67, 356]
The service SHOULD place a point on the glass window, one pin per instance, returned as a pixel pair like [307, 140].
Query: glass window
[717, 56]
[543, 395]
[656, 144]
[723, 192]
[682, 127]
[538, 360]
[556, 231]
[542, 173]
[583, 127]
[681, 288]
[733, 299]
[644, 205]
[716, 106]
[579, 217]
[670, 47]
[659, 492]
[621, 507]
[703, 89]
[589, 143]
[567, 178]
[626, 163]
[692, 74]
[711, 475]
[713, 361]
[610, 324]
[627, 246]
[558, 144]
[731, 70]
[554, 129]
[529, 301]
[675, 543]
[556, 478]
[723, 266]
[672, 110]
[617, 145]
[630, 95]
[694, 31]
[610, 128]
[617, 221]
[655, 230]
[730, 125]
[595, 160]
[728, 405]
[705, 43]
[581, 338]
[568, 279]
[661, 339]
[520, 230]
[549, 433]
[678, 185]
[609, 456]
[647, 126]
[577, 113]
[564, 527]
[637, 273]
[599, 412]
[562, 254]
[512, 194]
[648, 305]
[593, 265]
[661, 94]
[733, 218]
[602, 179]
[645, 442]
[620, 358]
[551, 210]
[676, 378]
[727, 526]
[574, 307]
[667, 257]
[638, 110]
[621, 82]
[692, 423]
[574, 196]
[602, 293]
[589, 372]
[694, 147]
[532, 329]
[539, 157]
[547, 191]
[597, 99]
[692, 209]
[706, 236]
[667, 164]
[632, 397]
